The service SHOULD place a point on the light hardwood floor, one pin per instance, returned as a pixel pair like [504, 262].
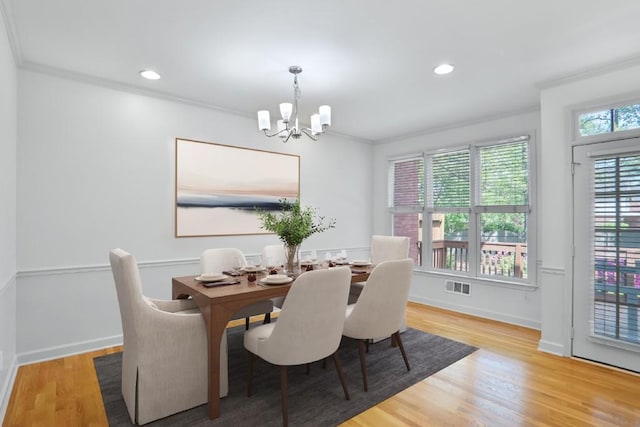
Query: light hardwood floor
[507, 382]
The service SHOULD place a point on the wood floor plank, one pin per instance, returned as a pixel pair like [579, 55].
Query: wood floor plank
[507, 382]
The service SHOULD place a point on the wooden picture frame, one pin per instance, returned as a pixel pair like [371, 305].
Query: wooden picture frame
[219, 187]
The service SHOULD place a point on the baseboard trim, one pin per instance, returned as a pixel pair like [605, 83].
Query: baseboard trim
[551, 347]
[7, 388]
[487, 314]
[57, 352]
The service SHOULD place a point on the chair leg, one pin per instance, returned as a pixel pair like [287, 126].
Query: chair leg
[336, 361]
[267, 318]
[283, 392]
[252, 359]
[404, 355]
[393, 341]
[363, 363]
[366, 342]
[246, 323]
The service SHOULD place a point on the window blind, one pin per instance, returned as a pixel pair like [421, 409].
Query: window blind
[616, 222]
[503, 174]
[449, 179]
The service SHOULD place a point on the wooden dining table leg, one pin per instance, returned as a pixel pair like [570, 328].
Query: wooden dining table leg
[216, 320]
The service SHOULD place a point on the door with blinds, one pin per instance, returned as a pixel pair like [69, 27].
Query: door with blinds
[606, 265]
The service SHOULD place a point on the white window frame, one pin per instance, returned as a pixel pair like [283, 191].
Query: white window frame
[474, 212]
[602, 137]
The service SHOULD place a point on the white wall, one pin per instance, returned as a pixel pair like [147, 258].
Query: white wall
[8, 138]
[557, 104]
[96, 171]
[514, 304]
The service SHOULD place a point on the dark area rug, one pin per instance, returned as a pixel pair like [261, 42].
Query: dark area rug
[314, 400]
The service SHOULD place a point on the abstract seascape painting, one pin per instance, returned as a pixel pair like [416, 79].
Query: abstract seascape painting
[219, 188]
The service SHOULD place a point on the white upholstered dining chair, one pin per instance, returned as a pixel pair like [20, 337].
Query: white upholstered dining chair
[309, 327]
[387, 248]
[274, 255]
[217, 260]
[380, 310]
[164, 358]
[383, 248]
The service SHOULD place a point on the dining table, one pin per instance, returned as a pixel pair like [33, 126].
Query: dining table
[218, 304]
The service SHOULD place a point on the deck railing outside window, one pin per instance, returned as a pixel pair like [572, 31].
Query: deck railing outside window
[496, 258]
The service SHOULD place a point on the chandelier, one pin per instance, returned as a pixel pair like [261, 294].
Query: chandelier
[288, 126]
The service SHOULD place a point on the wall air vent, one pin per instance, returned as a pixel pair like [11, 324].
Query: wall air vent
[458, 287]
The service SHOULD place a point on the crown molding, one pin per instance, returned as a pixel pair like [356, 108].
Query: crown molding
[12, 34]
[126, 87]
[460, 124]
[589, 72]
[11, 281]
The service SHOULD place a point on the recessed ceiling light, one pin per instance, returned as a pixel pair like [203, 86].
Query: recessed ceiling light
[443, 69]
[150, 74]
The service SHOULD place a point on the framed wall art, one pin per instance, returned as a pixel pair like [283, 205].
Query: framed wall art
[220, 187]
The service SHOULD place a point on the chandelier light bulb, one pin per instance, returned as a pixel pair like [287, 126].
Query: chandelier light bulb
[282, 127]
[286, 108]
[316, 127]
[325, 115]
[264, 121]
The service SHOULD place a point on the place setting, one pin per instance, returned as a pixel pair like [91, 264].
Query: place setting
[275, 279]
[209, 280]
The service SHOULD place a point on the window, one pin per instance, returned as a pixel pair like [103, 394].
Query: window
[448, 201]
[406, 201]
[476, 206]
[611, 120]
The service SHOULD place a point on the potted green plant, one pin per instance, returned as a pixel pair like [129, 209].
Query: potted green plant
[293, 224]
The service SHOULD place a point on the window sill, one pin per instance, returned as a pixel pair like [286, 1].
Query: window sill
[478, 280]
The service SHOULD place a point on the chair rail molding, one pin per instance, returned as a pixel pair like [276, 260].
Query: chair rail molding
[48, 271]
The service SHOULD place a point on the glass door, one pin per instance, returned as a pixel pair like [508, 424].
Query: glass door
[606, 264]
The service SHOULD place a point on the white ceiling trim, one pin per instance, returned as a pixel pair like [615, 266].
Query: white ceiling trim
[461, 124]
[12, 33]
[588, 73]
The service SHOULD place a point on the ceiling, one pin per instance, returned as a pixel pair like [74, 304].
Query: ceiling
[371, 60]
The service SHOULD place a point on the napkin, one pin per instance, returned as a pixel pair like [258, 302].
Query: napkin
[222, 283]
[233, 272]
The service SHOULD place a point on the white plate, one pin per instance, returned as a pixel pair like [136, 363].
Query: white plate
[276, 279]
[307, 263]
[253, 269]
[360, 263]
[211, 277]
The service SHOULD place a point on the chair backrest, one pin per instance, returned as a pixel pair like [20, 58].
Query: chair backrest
[387, 248]
[379, 311]
[220, 259]
[310, 324]
[275, 254]
[130, 299]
